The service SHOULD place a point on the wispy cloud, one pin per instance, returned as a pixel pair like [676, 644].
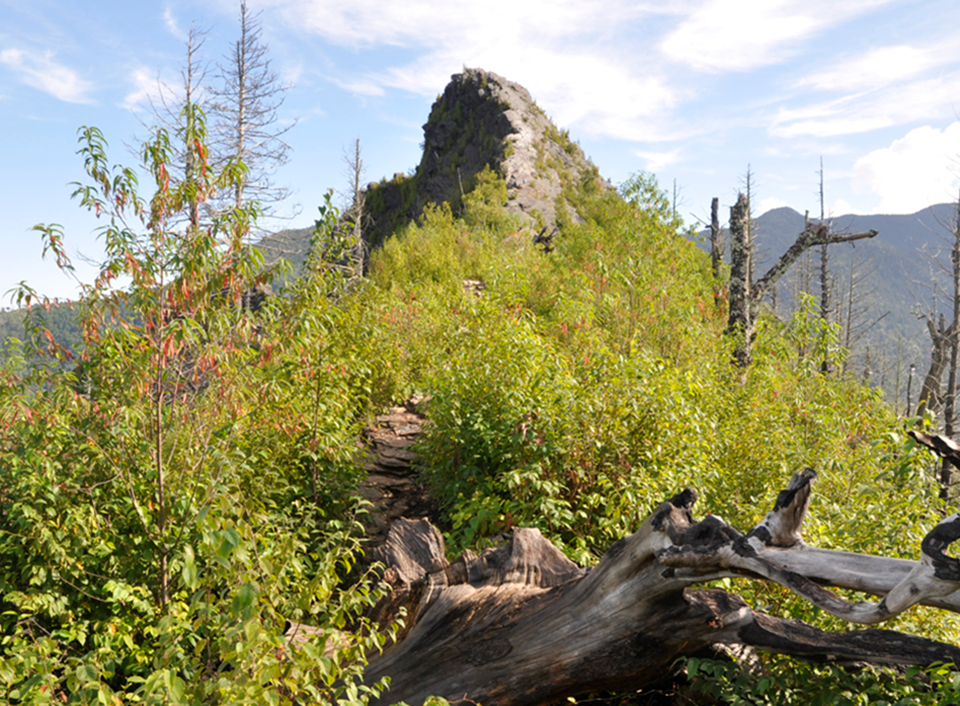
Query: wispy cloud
[40, 71]
[740, 35]
[897, 104]
[147, 90]
[565, 51]
[657, 161]
[878, 67]
[361, 86]
[170, 20]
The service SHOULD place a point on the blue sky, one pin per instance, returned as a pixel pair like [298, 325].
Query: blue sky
[692, 90]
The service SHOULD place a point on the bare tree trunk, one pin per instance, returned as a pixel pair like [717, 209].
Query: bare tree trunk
[716, 247]
[522, 625]
[240, 66]
[246, 126]
[946, 470]
[824, 274]
[740, 321]
[931, 394]
[745, 297]
[190, 135]
[356, 214]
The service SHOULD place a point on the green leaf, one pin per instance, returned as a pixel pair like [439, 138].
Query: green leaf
[245, 596]
[189, 568]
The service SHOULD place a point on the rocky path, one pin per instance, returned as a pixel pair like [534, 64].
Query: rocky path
[393, 485]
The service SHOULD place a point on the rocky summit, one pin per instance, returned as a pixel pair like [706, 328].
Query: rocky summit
[482, 120]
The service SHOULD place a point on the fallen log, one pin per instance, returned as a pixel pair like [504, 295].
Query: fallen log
[521, 624]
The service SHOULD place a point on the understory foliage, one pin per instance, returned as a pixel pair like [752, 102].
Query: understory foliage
[788, 682]
[584, 386]
[177, 492]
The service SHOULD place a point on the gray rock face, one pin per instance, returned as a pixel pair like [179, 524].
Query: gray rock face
[480, 120]
[483, 120]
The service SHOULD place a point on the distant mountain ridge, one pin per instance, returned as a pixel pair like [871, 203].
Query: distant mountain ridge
[895, 265]
[904, 231]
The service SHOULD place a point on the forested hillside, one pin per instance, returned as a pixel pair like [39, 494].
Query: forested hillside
[878, 289]
[180, 487]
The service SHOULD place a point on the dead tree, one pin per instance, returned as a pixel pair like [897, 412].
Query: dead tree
[740, 319]
[247, 128]
[824, 274]
[931, 394]
[950, 401]
[521, 624]
[179, 110]
[716, 247]
[745, 297]
[354, 216]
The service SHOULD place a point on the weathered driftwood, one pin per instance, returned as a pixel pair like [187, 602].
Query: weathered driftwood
[522, 624]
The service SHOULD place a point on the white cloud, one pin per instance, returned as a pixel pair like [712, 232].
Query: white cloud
[361, 87]
[147, 90]
[366, 23]
[40, 71]
[569, 54]
[877, 68]
[898, 104]
[657, 161]
[841, 207]
[770, 203]
[172, 25]
[913, 172]
[739, 35]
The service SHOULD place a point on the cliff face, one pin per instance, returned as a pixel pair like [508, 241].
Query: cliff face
[483, 120]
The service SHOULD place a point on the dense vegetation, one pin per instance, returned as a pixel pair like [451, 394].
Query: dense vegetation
[180, 488]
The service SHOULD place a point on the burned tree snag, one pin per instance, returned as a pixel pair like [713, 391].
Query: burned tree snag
[716, 247]
[740, 320]
[745, 295]
[824, 274]
[521, 624]
[950, 401]
[931, 394]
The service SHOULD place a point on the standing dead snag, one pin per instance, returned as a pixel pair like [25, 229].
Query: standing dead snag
[521, 624]
[746, 295]
[716, 247]
[741, 319]
[931, 394]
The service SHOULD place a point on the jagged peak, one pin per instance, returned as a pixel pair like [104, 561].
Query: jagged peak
[483, 120]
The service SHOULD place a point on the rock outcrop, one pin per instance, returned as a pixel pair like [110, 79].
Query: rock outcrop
[480, 121]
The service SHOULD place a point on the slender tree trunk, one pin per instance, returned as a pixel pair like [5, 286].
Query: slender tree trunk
[740, 321]
[824, 275]
[716, 247]
[241, 78]
[946, 468]
[158, 451]
[190, 136]
[359, 259]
